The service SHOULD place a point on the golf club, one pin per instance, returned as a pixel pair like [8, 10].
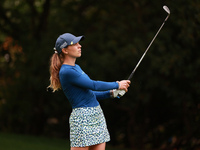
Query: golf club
[122, 92]
[168, 11]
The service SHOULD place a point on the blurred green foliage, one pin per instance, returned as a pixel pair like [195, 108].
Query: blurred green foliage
[161, 109]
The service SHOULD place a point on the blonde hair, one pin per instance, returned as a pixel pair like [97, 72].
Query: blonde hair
[55, 65]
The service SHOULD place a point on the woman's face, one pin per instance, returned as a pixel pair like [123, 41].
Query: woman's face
[74, 50]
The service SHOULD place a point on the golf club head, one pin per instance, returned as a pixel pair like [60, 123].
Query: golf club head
[166, 9]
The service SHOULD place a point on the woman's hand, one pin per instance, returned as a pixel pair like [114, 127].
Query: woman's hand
[124, 84]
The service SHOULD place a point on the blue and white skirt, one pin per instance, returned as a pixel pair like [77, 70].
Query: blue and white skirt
[88, 127]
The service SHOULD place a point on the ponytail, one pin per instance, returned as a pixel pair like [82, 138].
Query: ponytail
[55, 65]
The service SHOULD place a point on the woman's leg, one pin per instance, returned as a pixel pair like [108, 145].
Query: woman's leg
[101, 146]
[79, 148]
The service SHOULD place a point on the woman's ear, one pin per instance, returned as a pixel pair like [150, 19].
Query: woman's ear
[64, 51]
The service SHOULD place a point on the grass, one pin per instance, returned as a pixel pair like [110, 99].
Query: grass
[26, 142]
[10, 141]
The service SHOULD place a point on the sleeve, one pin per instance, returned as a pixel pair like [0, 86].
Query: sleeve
[83, 81]
[100, 95]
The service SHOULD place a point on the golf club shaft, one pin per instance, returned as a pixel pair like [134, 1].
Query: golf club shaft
[122, 92]
[132, 73]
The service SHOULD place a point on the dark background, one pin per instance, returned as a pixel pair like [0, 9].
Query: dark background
[161, 109]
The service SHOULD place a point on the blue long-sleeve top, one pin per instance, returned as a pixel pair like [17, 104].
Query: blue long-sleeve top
[80, 90]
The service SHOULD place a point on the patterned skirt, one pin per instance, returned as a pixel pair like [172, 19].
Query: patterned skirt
[88, 127]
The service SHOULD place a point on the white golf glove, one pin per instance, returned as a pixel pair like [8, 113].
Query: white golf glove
[118, 93]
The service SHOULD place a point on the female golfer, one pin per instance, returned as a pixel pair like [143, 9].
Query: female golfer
[88, 130]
